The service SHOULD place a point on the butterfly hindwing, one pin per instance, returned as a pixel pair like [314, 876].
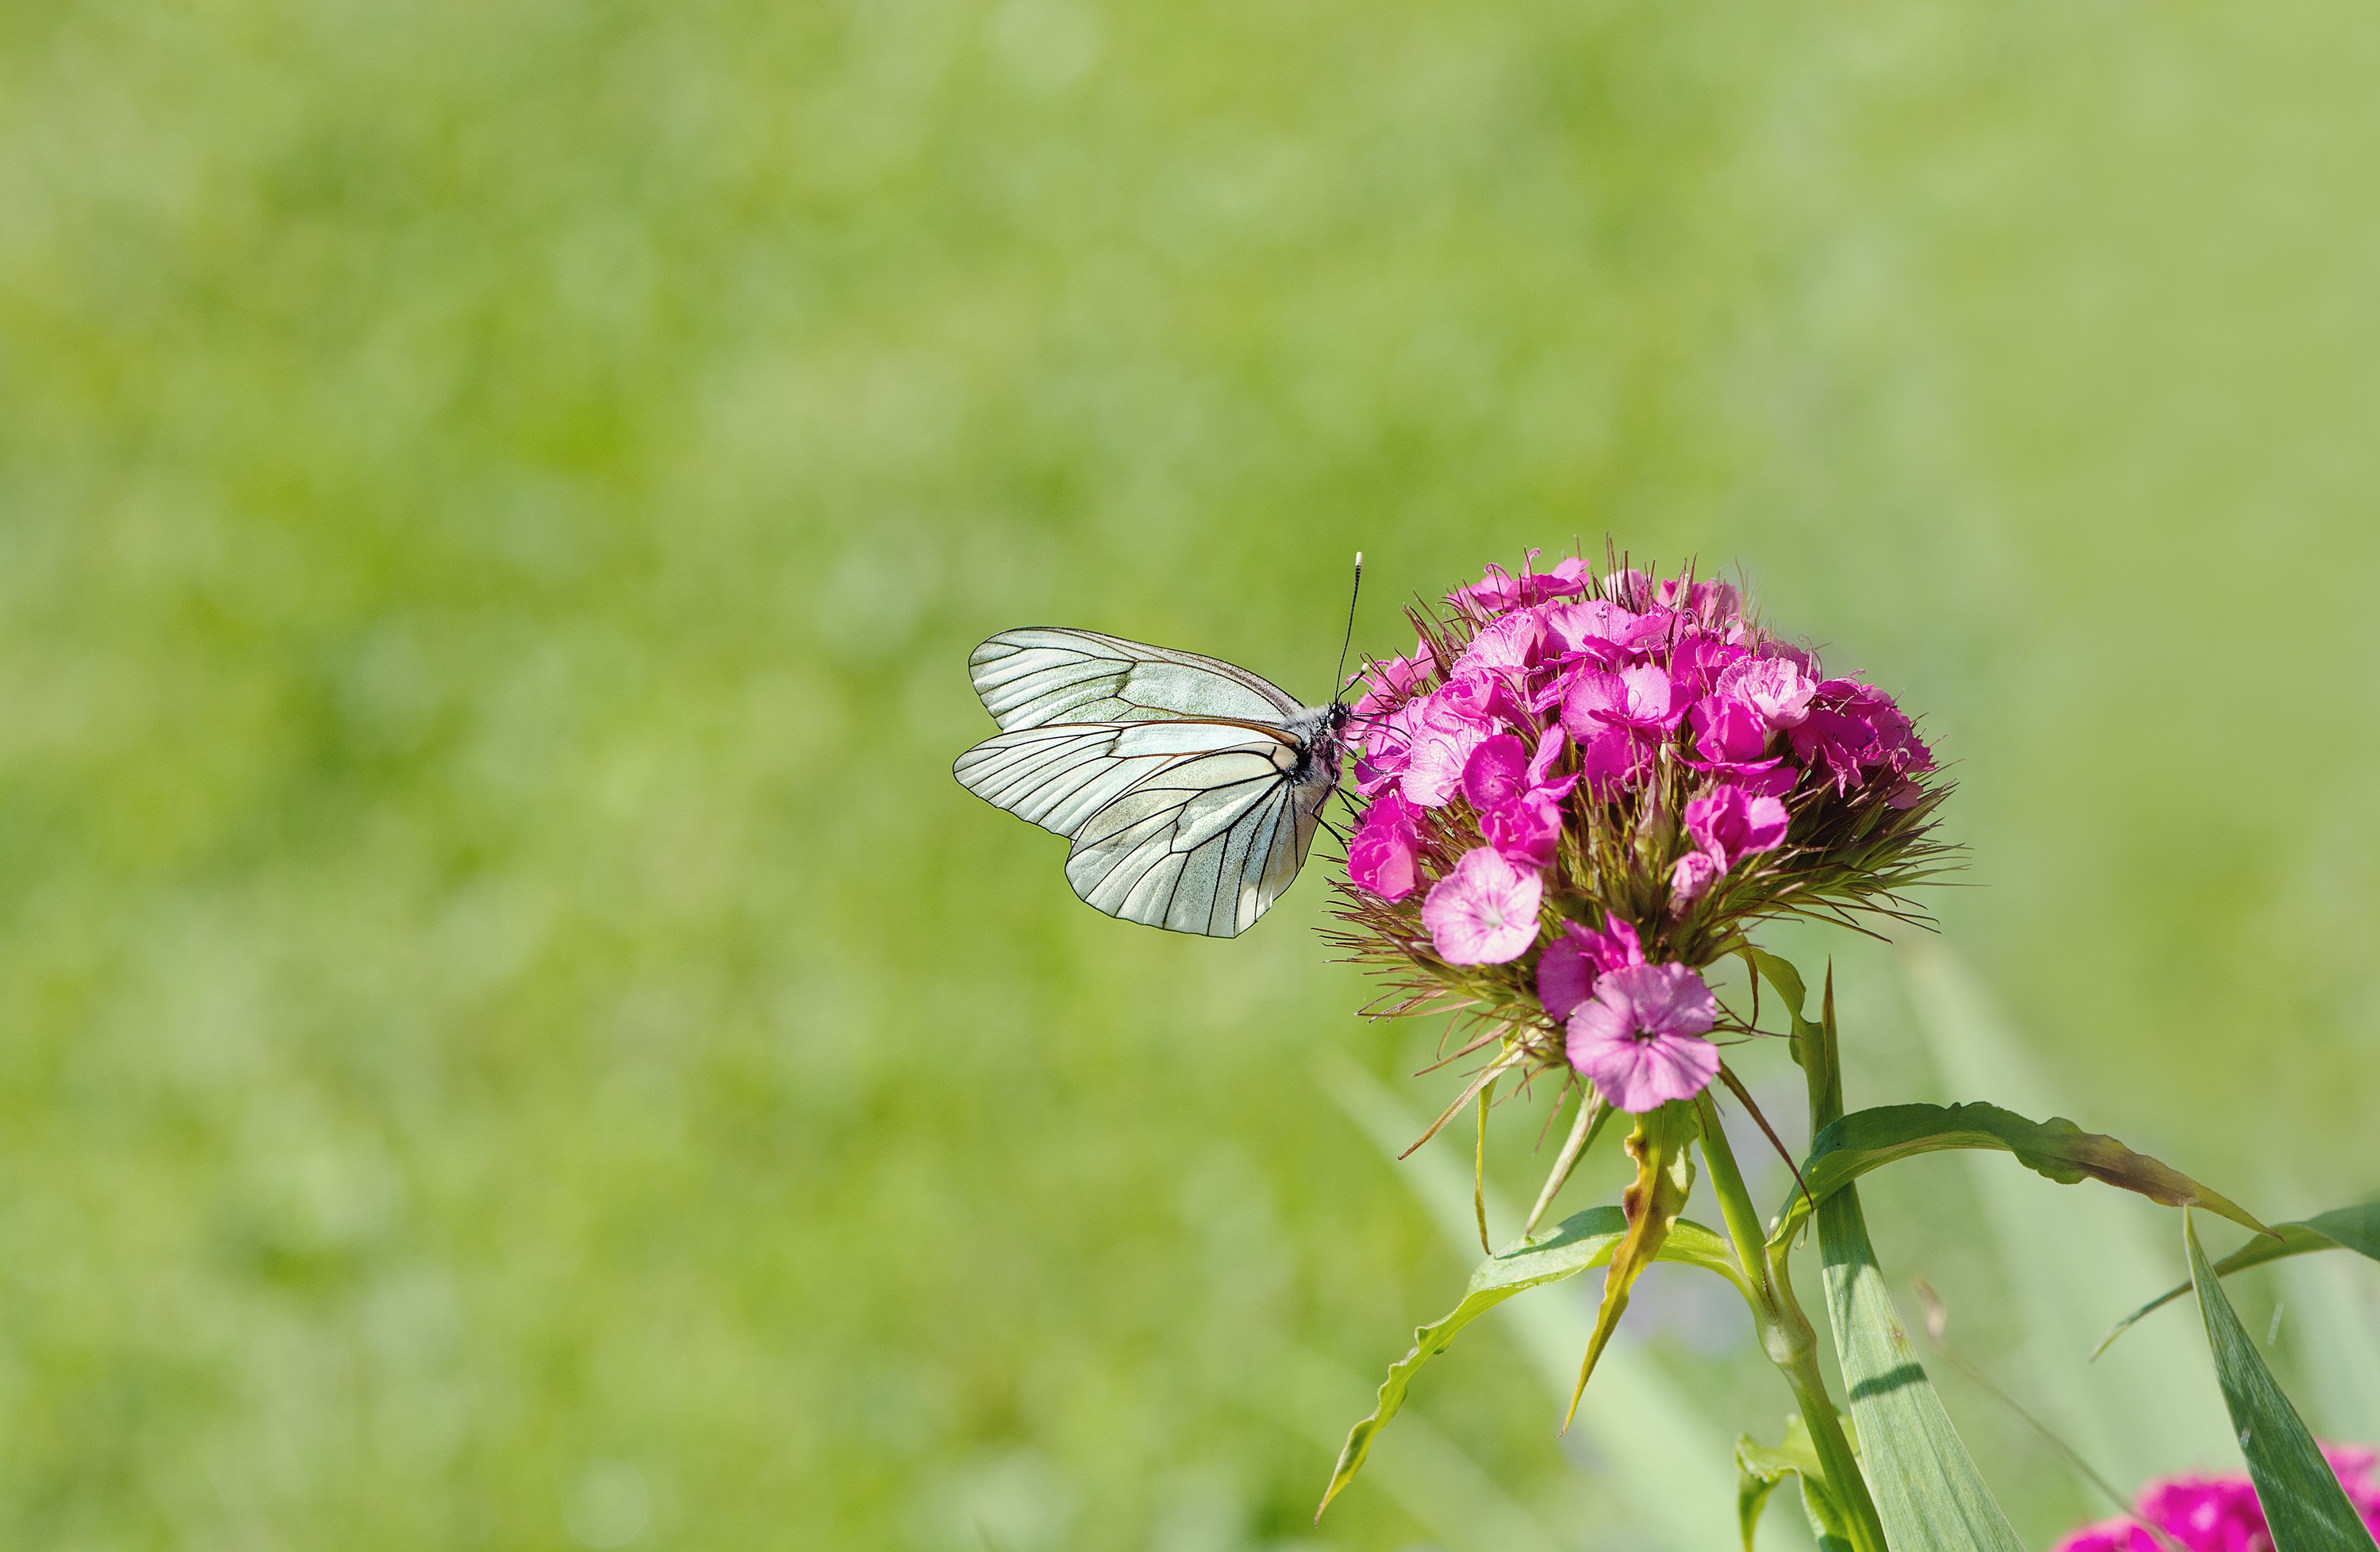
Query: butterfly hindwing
[1187, 848]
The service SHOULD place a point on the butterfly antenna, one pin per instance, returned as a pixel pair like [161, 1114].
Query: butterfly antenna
[1337, 675]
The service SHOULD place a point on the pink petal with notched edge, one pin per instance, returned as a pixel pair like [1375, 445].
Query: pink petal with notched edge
[1485, 912]
[1728, 731]
[1527, 831]
[1644, 699]
[1731, 823]
[1511, 642]
[1775, 688]
[1568, 969]
[1611, 761]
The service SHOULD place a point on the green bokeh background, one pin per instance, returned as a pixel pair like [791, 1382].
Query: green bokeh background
[509, 1035]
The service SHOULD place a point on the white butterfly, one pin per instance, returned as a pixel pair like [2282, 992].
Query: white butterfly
[1191, 789]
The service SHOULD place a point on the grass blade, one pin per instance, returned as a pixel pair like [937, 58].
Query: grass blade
[1926, 1487]
[2304, 1507]
[2356, 1228]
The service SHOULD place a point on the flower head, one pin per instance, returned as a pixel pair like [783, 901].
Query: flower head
[1583, 775]
[1639, 1039]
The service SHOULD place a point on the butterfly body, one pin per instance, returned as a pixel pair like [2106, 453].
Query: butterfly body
[1190, 789]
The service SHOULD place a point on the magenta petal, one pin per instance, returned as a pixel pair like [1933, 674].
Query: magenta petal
[1382, 856]
[1565, 975]
[1613, 761]
[1496, 772]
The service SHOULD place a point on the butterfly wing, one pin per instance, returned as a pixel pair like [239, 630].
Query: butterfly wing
[1034, 677]
[1191, 825]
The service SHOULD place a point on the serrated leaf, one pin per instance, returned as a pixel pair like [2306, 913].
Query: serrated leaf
[1927, 1490]
[2057, 1148]
[1662, 1145]
[1579, 1243]
[1669, 1465]
[1760, 1469]
[2356, 1228]
[2305, 1508]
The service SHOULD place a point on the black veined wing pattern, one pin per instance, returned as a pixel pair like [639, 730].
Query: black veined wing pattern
[1190, 789]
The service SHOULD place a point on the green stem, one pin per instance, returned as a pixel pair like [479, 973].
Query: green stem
[1786, 1334]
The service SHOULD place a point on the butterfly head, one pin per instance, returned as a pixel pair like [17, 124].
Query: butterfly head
[1321, 737]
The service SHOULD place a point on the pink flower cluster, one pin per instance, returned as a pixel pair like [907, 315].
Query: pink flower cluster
[1569, 697]
[2221, 1513]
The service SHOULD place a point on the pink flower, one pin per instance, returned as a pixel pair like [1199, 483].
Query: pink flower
[1496, 772]
[1485, 912]
[1613, 761]
[1511, 642]
[1498, 590]
[1731, 824]
[1641, 700]
[1775, 688]
[1605, 632]
[1382, 856]
[1448, 724]
[1639, 1039]
[1691, 878]
[1520, 812]
[1714, 604]
[1728, 733]
[1854, 729]
[1393, 681]
[1526, 831]
[1567, 970]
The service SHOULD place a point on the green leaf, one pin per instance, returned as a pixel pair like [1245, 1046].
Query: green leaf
[2356, 1228]
[1760, 1468]
[1662, 1145]
[1580, 1242]
[1927, 1490]
[2069, 1256]
[1869, 1139]
[2304, 1506]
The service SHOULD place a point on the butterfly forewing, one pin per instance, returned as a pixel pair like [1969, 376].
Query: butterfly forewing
[1034, 677]
[1190, 804]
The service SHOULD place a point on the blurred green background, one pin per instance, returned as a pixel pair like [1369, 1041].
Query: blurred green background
[509, 1034]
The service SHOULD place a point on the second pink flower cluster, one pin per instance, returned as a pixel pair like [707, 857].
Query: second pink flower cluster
[2222, 1513]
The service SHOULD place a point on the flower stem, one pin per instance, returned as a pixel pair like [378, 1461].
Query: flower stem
[1786, 1334]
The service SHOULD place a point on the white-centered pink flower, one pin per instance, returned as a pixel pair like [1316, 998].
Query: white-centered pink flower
[1484, 911]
